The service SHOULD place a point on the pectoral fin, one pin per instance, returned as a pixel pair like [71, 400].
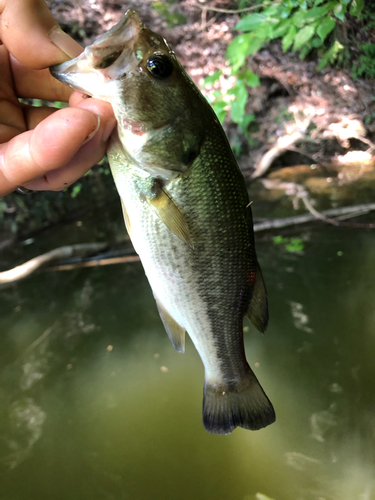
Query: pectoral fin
[176, 333]
[258, 308]
[170, 213]
[126, 219]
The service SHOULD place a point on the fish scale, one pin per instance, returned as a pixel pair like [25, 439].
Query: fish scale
[187, 211]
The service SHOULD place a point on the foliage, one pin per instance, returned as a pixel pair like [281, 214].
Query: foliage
[302, 25]
[165, 9]
[290, 244]
[42, 102]
[365, 66]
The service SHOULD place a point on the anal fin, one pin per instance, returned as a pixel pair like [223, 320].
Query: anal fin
[258, 308]
[176, 332]
[170, 213]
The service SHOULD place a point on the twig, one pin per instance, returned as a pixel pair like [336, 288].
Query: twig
[95, 263]
[29, 267]
[282, 145]
[236, 11]
[353, 211]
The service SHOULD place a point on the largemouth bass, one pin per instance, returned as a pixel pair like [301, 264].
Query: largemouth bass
[186, 209]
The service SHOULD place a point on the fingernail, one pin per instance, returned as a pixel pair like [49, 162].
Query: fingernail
[64, 42]
[108, 129]
[90, 136]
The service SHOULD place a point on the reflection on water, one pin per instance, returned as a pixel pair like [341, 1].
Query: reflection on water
[96, 404]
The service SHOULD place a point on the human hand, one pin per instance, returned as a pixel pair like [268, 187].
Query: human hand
[41, 148]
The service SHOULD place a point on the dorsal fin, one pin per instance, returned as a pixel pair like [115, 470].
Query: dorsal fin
[176, 332]
[258, 308]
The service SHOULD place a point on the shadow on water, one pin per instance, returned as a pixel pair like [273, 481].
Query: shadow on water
[96, 404]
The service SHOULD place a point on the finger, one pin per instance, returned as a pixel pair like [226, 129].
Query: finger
[88, 155]
[37, 83]
[51, 145]
[34, 115]
[32, 35]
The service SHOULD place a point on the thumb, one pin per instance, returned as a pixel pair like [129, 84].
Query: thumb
[32, 35]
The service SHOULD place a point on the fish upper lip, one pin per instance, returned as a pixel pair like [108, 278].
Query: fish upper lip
[125, 30]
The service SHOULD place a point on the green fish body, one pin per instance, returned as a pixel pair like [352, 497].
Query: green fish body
[186, 209]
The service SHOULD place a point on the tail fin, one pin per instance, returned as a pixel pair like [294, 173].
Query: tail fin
[242, 404]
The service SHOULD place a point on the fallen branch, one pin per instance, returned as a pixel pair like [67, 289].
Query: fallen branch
[282, 145]
[344, 212]
[29, 267]
[64, 253]
[95, 263]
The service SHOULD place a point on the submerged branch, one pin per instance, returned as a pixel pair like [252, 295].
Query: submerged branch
[95, 262]
[29, 267]
[60, 255]
[340, 213]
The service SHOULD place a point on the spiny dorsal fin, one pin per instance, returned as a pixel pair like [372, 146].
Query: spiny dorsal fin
[126, 219]
[258, 307]
[176, 333]
[170, 213]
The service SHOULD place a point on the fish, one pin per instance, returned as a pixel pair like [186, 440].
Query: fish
[186, 209]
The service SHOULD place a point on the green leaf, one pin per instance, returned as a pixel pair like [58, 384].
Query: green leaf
[251, 79]
[265, 30]
[237, 111]
[325, 27]
[299, 18]
[76, 189]
[356, 8]
[281, 29]
[211, 79]
[305, 50]
[331, 55]
[295, 245]
[250, 22]
[254, 45]
[302, 17]
[340, 11]
[240, 47]
[279, 240]
[219, 108]
[316, 42]
[303, 36]
[284, 12]
[288, 39]
[236, 51]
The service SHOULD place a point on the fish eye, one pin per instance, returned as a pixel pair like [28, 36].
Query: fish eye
[159, 65]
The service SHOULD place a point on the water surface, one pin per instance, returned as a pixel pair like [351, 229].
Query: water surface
[96, 404]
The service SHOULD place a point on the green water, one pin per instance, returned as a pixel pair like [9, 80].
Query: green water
[95, 403]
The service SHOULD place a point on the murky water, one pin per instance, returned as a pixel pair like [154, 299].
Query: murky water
[95, 403]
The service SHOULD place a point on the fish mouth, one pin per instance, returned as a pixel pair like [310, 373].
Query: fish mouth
[99, 58]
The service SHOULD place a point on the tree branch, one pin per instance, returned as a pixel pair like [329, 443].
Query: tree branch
[29, 267]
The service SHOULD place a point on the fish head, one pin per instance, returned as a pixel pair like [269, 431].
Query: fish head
[135, 70]
[109, 59]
